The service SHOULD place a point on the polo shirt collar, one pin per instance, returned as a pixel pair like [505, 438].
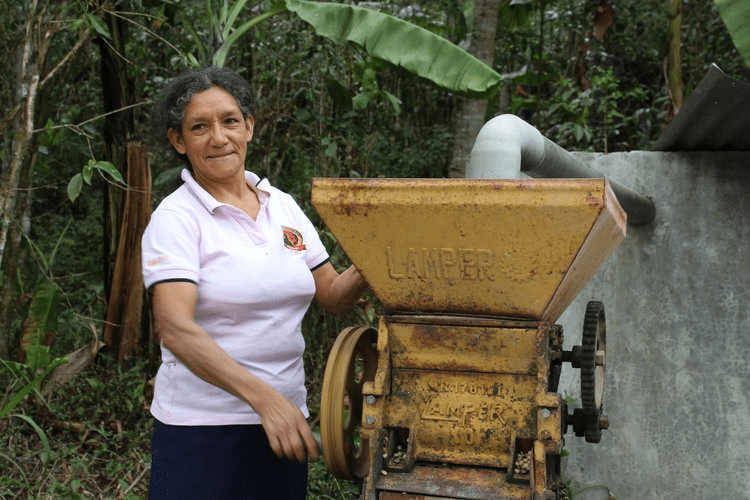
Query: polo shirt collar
[210, 203]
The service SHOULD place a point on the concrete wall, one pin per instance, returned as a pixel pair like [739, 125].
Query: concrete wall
[677, 300]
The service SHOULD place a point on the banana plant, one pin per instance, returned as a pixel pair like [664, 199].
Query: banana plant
[40, 323]
[383, 36]
[735, 14]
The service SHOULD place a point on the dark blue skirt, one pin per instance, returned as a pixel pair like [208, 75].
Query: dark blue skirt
[221, 462]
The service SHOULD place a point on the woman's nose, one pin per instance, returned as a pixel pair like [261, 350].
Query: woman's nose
[217, 134]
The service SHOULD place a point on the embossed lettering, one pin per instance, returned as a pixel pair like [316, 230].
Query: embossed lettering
[468, 263]
[392, 265]
[441, 263]
[485, 261]
[413, 267]
[448, 261]
[461, 388]
[431, 260]
[446, 410]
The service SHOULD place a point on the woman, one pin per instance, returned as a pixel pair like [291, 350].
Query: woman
[233, 264]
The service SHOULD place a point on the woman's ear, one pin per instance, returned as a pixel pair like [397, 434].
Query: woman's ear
[175, 138]
[250, 124]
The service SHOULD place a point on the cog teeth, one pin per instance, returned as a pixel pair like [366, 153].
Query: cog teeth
[594, 331]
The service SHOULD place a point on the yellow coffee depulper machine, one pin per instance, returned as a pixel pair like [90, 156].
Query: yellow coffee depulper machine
[454, 394]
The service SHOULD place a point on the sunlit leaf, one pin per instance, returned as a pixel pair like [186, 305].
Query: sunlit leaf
[361, 100]
[109, 169]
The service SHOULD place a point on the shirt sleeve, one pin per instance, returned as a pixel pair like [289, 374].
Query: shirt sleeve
[317, 254]
[170, 249]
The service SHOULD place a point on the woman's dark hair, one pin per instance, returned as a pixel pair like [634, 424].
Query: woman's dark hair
[178, 91]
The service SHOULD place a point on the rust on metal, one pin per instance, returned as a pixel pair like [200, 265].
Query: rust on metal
[450, 481]
[473, 246]
[474, 349]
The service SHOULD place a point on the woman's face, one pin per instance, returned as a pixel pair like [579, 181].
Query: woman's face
[214, 135]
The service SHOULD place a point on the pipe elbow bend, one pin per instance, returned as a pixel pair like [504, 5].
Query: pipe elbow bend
[503, 143]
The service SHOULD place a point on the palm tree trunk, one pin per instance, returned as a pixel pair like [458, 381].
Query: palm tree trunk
[125, 214]
[124, 329]
[470, 113]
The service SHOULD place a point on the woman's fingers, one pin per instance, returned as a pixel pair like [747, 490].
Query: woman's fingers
[299, 444]
[288, 432]
[310, 443]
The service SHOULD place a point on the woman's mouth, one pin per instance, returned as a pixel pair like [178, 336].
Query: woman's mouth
[220, 156]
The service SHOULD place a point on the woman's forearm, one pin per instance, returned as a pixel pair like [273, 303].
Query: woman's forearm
[338, 292]
[208, 361]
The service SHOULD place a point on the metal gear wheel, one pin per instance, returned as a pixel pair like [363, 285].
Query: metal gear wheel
[593, 349]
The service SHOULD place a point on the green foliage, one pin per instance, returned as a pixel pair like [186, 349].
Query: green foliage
[104, 167]
[90, 440]
[322, 485]
[40, 323]
[735, 14]
[586, 119]
[399, 42]
[365, 72]
[23, 383]
[95, 23]
[227, 21]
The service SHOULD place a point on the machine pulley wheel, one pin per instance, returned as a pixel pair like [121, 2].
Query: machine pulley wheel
[593, 349]
[351, 363]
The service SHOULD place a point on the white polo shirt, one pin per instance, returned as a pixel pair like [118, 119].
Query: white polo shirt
[254, 287]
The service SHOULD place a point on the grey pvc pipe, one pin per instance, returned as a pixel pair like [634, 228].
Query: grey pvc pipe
[507, 146]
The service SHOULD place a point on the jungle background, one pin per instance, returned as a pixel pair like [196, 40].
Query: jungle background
[82, 164]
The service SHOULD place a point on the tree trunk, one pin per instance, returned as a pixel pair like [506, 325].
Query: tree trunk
[123, 331]
[125, 216]
[673, 60]
[470, 113]
[39, 32]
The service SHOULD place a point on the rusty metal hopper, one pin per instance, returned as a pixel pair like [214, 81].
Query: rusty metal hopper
[520, 248]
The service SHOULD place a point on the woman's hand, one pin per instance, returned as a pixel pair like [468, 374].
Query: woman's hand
[288, 432]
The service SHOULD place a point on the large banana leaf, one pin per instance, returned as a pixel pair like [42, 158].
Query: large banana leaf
[399, 42]
[736, 15]
[41, 321]
[386, 37]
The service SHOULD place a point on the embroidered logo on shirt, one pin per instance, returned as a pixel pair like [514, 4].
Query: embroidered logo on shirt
[159, 260]
[292, 239]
